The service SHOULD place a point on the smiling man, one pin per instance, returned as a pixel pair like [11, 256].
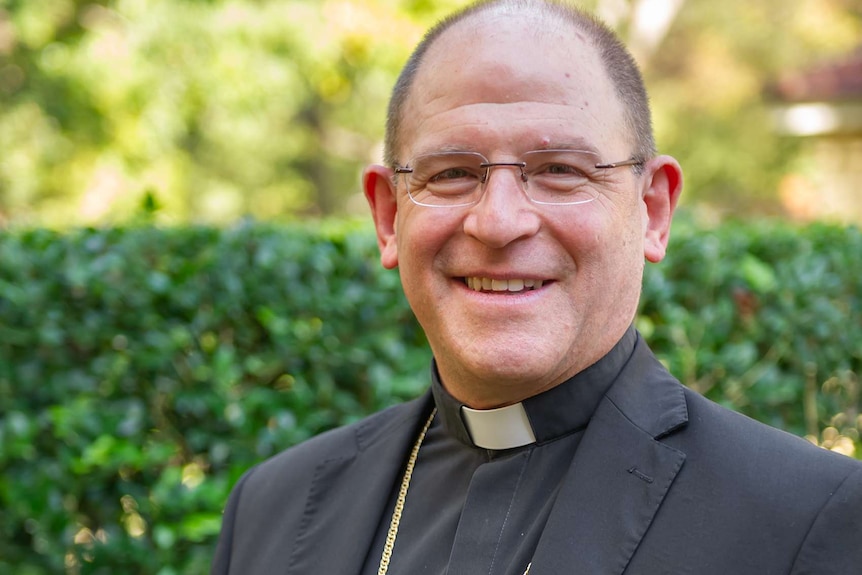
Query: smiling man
[511, 88]
[521, 195]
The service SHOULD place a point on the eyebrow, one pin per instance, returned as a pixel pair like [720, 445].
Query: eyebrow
[571, 144]
[575, 143]
[447, 149]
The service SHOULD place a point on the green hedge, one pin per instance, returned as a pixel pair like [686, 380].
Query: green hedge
[767, 320]
[143, 370]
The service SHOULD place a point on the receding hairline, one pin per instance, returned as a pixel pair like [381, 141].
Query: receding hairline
[615, 59]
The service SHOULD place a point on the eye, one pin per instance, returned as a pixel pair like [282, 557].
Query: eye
[569, 165]
[560, 176]
[558, 173]
[451, 174]
[561, 170]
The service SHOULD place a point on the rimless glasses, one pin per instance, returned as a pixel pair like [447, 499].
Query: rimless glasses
[548, 177]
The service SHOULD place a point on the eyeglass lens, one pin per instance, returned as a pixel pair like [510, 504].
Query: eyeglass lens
[457, 178]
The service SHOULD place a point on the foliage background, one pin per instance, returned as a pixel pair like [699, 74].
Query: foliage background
[222, 108]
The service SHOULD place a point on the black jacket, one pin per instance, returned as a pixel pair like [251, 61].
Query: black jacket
[663, 482]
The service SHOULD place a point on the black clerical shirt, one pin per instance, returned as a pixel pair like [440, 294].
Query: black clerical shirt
[472, 511]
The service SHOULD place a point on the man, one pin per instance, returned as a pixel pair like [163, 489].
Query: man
[521, 195]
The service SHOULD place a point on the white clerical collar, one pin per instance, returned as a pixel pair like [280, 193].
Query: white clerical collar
[501, 428]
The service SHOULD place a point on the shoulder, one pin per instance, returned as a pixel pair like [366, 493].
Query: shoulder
[271, 500]
[784, 504]
[730, 460]
[721, 441]
[297, 463]
[725, 432]
[772, 487]
[757, 469]
[284, 480]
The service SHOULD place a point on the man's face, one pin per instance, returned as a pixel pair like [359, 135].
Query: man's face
[501, 91]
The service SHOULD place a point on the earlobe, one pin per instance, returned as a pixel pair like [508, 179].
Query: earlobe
[380, 193]
[663, 186]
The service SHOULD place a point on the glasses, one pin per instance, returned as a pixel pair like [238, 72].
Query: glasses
[548, 177]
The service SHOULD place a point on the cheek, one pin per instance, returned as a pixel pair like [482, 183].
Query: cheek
[421, 235]
[582, 231]
[423, 230]
[605, 239]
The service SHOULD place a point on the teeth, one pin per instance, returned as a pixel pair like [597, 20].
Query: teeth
[513, 285]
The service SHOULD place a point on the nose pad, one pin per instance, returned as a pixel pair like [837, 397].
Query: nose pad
[488, 165]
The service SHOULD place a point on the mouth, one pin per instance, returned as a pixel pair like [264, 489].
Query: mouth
[498, 285]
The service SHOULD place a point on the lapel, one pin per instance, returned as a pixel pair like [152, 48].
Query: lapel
[619, 476]
[350, 493]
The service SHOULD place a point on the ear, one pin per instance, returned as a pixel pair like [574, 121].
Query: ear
[662, 186]
[380, 193]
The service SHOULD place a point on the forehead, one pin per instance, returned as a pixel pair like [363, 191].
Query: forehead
[523, 76]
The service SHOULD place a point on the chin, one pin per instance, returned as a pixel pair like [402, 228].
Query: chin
[513, 366]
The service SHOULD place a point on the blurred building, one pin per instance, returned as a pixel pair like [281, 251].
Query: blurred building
[822, 105]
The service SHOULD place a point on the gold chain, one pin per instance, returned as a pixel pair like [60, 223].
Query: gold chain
[402, 496]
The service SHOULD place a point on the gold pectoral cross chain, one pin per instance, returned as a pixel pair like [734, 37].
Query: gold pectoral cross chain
[389, 545]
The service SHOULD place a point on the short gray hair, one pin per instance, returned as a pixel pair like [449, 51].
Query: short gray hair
[621, 68]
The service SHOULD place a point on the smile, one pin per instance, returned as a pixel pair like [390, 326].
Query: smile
[495, 285]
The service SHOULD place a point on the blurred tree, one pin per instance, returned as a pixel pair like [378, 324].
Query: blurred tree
[219, 108]
[707, 83]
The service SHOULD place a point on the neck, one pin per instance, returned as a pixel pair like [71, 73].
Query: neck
[483, 393]
[490, 387]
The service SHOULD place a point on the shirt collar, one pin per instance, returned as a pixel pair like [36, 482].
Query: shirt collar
[559, 411]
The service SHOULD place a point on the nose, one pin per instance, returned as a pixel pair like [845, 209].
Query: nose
[503, 213]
